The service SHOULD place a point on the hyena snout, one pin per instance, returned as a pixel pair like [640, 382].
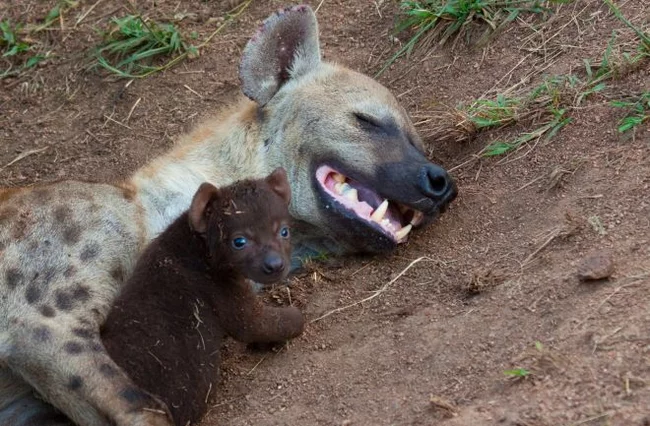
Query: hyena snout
[435, 183]
[273, 264]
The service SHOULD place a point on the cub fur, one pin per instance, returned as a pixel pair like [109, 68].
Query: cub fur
[189, 290]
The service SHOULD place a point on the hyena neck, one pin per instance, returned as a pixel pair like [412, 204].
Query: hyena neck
[219, 151]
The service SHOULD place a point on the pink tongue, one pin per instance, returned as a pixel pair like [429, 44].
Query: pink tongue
[330, 182]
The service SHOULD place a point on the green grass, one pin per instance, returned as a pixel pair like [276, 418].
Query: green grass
[136, 47]
[517, 373]
[20, 53]
[18, 45]
[638, 112]
[55, 14]
[439, 20]
[132, 45]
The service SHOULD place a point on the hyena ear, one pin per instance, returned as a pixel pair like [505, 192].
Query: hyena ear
[200, 208]
[285, 47]
[279, 183]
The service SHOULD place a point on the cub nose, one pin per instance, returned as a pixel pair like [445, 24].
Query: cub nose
[273, 263]
[435, 182]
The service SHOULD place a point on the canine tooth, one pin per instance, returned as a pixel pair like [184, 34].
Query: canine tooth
[417, 218]
[338, 177]
[385, 222]
[352, 194]
[402, 233]
[379, 212]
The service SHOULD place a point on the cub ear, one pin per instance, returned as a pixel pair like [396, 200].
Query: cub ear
[200, 208]
[285, 47]
[279, 183]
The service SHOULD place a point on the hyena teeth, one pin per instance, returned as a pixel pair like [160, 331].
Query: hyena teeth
[338, 177]
[417, 218]
[402, 233]
[379, 212]
[352, 194]
[340, 188]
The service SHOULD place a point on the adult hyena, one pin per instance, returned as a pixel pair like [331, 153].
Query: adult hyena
[359, 179]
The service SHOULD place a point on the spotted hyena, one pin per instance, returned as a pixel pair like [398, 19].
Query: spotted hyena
[359, 181]
[189, 290]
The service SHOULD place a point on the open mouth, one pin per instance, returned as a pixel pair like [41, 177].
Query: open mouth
[392, 219]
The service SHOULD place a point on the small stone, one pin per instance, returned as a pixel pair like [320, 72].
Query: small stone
[596, 266]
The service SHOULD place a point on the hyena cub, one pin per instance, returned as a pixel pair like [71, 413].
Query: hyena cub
[189, 290]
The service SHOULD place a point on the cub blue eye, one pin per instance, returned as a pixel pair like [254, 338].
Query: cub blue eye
[239, 243]
[284, 232]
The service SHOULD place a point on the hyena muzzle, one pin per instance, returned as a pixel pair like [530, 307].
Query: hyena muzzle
[359, 179]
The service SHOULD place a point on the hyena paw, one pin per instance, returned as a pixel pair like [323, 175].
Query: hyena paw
[146, 409]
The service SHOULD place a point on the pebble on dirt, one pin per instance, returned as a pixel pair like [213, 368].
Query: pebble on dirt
[596, 266]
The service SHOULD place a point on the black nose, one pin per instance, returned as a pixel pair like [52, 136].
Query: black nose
[435, 182]
[273, 263]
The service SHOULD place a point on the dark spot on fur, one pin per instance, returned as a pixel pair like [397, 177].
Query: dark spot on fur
[81, 293]
[33, 294]
[107, 370]
[66, 299]
[96, 347]
[70, 271]
[62, 214]
[73, 348]
[118, 273]
[134, 396]
[84, 333]
[71, 235]
[75, 383]
[2, 246]
[89, 252]
[13, 277]
[42, 334]
[48, 311]
[63, 300]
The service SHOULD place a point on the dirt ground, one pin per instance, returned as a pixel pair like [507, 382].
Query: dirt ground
[495, 284]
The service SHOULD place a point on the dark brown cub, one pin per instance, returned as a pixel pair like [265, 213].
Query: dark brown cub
[189, 291]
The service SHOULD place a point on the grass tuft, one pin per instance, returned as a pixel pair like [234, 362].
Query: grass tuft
[517, 373]
[638, 112]
[439, 20]
[133, 43]
[19, 52]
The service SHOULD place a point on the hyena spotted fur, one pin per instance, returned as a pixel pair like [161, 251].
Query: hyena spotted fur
[359, 181]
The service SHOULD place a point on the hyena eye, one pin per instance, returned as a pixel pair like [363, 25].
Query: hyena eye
[284, 232]
[239, 243]
[367, 120]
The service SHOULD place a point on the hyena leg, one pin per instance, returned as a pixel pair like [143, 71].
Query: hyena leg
[246, 319]
[270, 325]
[20, 407]
[71, 369]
